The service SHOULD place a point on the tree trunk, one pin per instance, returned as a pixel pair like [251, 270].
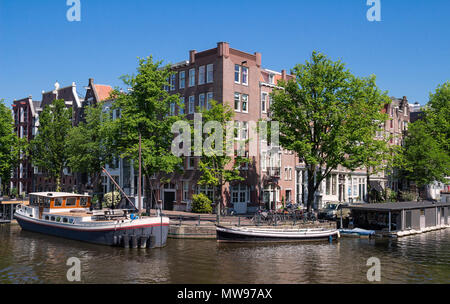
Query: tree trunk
[369, 190]
[311, 188]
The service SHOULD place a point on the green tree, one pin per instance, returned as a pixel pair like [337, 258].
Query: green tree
[10, 146]
[88, 144]
[216, 165]
[425, 157]
[327, 116]
[145, 110]
[49, 147]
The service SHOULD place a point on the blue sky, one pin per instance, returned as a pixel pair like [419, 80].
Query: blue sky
[409, 50]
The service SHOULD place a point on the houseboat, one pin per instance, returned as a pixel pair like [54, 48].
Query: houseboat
[70, 215]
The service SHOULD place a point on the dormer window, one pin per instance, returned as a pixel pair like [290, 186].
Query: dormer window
[271, 78]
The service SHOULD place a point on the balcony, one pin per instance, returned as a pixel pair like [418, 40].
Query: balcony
[274, 172]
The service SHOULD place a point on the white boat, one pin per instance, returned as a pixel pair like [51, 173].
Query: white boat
[246, 234]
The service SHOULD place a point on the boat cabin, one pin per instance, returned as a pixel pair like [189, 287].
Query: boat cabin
[59, 200]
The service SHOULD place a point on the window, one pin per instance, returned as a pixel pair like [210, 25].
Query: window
[264, 161]
[191, 77]
[263, 102]
[207, 190]
[172, 109]
[191, 163]
[52, 218]
[209, 97]
[237, 127]
[237, 73]
[71, 201]
[244, 103]
[327, 188]
[83, 201]
[191, 104]
[182, 79]
[58, 202]
[185, 191]
[333, 184]
[181, 109]
[47, 218]
[173, 78]
[65, 220]
[244, 130]
[239, 193]
[290, 173]
[237, 102]
[201, 75]
[209, 73]
[271, 78]
[244, 75]
[201, 101]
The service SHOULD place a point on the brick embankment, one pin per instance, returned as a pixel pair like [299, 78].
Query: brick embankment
[194, 226]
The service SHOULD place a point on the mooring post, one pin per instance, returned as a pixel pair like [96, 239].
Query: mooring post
[199, 219]
[239, 225]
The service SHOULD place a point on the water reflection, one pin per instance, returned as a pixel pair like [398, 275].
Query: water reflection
[27, 257]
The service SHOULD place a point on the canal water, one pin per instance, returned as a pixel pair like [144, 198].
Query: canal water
[27, 257]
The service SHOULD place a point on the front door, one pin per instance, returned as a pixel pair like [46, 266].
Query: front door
[169, 198]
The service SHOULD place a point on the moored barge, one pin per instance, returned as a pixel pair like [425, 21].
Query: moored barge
[69, 215]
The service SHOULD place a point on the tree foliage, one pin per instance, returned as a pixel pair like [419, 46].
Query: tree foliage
[425, 157]
[88, 144]
[219, 168]
[145, 110]
[49, 147]
[328, 117]
[10, 145]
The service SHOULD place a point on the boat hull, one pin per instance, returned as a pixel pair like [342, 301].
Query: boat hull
[105, 236]
[239, 236]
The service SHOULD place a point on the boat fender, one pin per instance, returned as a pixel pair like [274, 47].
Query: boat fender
[126, 241]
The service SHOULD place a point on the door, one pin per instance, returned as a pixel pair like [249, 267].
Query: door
[169, 198]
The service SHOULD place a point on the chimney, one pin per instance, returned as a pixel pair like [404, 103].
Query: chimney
[223, 49]
[258, 59]
[91, 81]
[192, 56]
[283, 75]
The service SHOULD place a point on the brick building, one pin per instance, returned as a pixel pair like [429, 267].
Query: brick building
[27, 178]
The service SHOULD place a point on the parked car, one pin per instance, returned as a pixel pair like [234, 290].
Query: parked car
[331, 211]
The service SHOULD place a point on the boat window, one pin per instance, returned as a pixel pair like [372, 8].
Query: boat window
[47, 202]
[33, 200]
[46, 218]
[52, 218]
[40, 201]
[58, 202]
[58, 219]
[71, 201]
[64, 220]
[83, 201]
[71, 220]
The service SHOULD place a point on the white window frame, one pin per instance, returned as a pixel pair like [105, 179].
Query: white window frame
[237, 130]
[210, 73]
[191, 104]
[238, 73]
[246, 103]
[182, 79]
[246, 74]
[191, 77]
[264, 102]
[201, 75]
[238, 96]
[201, 101]
[209, 97]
